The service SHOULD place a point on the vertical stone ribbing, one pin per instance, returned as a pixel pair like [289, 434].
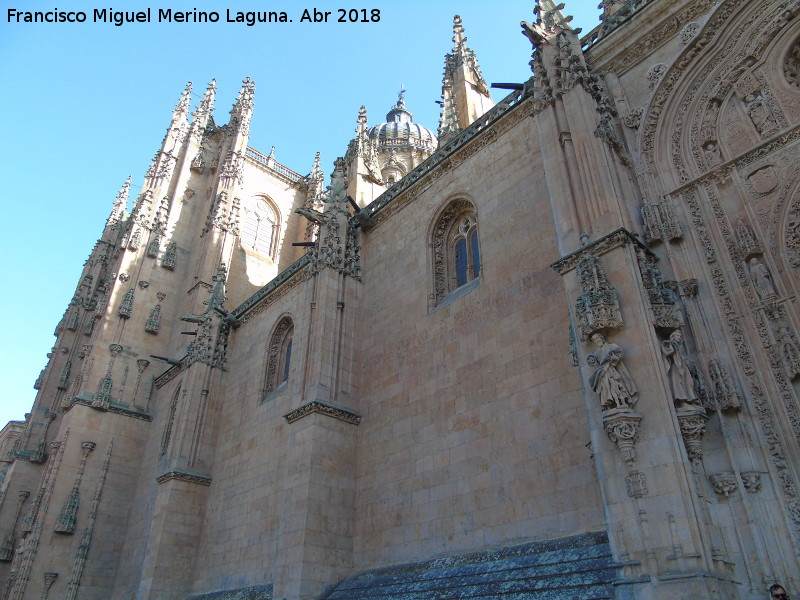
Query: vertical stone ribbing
[86, 538]
[65, 523]
[28, 548]
[7, 550]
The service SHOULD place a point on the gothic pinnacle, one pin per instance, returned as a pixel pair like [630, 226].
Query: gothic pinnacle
[183, 103]
[207, 102]
[120, 202]
[244, 102]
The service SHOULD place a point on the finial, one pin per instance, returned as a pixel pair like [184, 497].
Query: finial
[459, 39]
[271, 153]
[316, 170]
[401, 97]
[361, 122]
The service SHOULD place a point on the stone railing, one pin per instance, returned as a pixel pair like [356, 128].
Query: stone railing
[273, 165]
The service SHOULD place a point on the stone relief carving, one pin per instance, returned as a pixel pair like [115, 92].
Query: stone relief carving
[654, 75]
[688, 32]
[761, 114]
[707, 79]
[791, 234]
[664, 305]
[168, 262]
[723, 390]
[153, 246]
[634, 118]
[126, 306]
[762, 280]
[597, 307]
[751, 481]
[723, 483]
[791, 66]
[789, 351]
[659, 221]
[693, 428]
[67, 518]
[623, 431]
[153, 323]
[747, 240]
[763, 180]
[636, 484]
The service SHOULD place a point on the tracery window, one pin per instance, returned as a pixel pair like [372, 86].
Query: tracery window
[279, 354]
[456, 248]
[260, 227]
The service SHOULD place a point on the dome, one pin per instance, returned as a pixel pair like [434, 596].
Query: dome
[400, 131]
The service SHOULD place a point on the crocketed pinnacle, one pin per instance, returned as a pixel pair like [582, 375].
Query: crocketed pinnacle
[206, 106]
[183, 104]
[244, 102]
[120, 202]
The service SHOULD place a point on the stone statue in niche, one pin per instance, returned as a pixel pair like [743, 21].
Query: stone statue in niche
[762, 279]
[684, 376]
[711, 153]
[611, 379]
[761, 114]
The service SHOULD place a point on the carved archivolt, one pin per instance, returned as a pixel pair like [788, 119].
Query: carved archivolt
[791, 66]
[458, 211]
[279, 354]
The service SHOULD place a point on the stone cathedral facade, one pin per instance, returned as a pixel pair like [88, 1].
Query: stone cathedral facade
[551, 350]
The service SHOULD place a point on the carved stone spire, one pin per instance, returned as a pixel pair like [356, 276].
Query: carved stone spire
[465, 95]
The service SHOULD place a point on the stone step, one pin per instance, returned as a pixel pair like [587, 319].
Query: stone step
[564, 569]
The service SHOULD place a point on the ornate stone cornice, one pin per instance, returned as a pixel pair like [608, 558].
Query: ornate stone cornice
[615, 239]
[284, 281]
[181, 475]
[628, 54]
[114, 408]
[330, 410]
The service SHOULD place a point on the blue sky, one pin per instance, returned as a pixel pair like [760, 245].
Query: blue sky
[87, 104]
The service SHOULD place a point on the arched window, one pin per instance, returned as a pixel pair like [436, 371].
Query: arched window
[260, 227]
[456, 250]
[279, 354]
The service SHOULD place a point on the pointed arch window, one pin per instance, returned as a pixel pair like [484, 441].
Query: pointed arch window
[260, 227]
[279, 355]
[456, 249]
